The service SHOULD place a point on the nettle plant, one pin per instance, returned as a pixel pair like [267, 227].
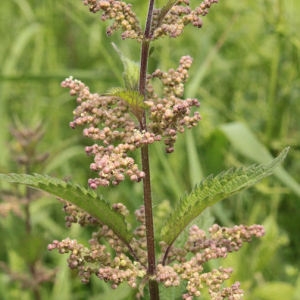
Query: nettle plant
[128, 119]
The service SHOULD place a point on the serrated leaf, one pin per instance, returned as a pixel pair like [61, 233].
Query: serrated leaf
[131, 97]
[83, 198]
[213, 189]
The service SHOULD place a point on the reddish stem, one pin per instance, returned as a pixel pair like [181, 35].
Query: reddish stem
[153, 286]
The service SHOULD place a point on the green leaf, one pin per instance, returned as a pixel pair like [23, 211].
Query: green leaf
[213, 189]
[83, 198]
[133, 98]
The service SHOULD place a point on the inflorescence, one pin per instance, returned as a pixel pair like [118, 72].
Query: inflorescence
[170, 114]
[166, 21]
[109, 122]
[112, 260]
[122, 14]
[180, 15]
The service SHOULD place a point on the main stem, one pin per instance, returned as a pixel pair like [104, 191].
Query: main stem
[153, 286]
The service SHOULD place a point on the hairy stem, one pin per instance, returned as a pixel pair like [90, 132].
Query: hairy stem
[153, 286]
[145, 49]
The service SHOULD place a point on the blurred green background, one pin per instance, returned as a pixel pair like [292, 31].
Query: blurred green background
[246, 76]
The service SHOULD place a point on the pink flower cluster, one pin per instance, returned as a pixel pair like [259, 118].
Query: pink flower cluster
[109, 121]
[180, 15]
[170, 113]
[166, 22]
[122, 14]
[117, 262]
[111, 261]
[179, 267]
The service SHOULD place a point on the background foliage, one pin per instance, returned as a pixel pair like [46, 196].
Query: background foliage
[246, 75]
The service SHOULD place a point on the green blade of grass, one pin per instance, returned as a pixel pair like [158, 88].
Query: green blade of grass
[246, 143]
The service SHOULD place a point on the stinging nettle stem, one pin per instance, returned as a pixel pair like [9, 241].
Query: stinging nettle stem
[153, 286]
[145, 49]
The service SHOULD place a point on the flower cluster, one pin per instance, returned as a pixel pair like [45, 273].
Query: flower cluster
[110, 121]
[122, 14]
[177, 266]
[170, 113]
[76, 215]
[167, 21]
[111, 261]
[181, 14]
[117, 262]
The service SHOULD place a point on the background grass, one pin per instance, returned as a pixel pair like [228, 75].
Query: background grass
[246, 75]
